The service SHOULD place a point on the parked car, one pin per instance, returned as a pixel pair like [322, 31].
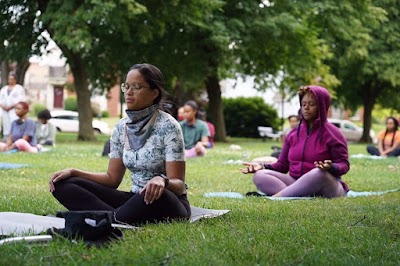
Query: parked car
[351, 131]
[68, 121]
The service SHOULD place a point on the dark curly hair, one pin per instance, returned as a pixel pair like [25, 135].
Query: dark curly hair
[396, 127]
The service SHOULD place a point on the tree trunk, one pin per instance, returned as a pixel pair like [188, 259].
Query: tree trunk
[5, 70]
[83, 97]
[369, 97]
[83, 93]
[215, 109]
[178, 94]
[81, 83]
[22, 67]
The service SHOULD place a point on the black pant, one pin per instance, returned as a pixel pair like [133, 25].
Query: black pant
[375, 151]
[78, 194]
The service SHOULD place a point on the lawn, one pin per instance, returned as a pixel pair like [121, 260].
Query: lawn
[257, 231]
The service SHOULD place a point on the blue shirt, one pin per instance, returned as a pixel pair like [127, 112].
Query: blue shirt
[27, 128]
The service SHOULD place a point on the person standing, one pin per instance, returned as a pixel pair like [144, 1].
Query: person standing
[10, 96]
[313, 158]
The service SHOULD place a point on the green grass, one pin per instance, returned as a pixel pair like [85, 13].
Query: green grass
[344, 231]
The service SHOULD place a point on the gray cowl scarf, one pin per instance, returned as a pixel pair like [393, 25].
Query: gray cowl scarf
[140, 126]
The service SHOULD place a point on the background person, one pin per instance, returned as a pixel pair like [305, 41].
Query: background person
[181, 112]
[315, 155]
[211, 128]
[195, 131]
[149, 143]
[388, 140]
[45, 131]
[10, 95]
[293, 122]
[22, 134]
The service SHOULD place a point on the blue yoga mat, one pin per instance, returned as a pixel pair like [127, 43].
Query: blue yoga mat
[11, 165]
[236, 195]
[10, 151]
[232, 195]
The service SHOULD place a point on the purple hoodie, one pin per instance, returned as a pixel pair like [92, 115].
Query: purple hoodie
[323, 142]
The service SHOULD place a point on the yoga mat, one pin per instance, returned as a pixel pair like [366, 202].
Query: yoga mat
[20, 224]
[10, 151]
[11, 165]
[366, 156]
[28, 239]
[232, 195]
[201, 213]
[352, 193]
[236, 195]
[15, 223]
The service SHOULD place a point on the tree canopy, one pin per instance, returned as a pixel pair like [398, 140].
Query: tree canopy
[99, 38]
[350, 47]
[366, 51]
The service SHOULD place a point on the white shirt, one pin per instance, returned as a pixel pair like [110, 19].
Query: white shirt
[16, 95]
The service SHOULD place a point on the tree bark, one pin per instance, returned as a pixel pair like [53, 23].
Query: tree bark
[83, 97]
[369, 98]
[81, 84]
[215, 108]
[5, 70]
[22, 67]
[178, 94]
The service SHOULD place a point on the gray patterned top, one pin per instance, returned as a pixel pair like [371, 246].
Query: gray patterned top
[165, 144]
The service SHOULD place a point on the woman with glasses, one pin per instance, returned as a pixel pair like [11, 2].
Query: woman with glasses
[149, 143]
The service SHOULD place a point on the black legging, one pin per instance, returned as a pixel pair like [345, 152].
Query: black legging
[78, 194]
[375, 151]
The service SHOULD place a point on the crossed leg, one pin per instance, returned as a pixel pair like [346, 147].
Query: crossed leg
[315, 182]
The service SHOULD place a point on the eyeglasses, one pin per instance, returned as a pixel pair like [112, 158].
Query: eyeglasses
[134, 86]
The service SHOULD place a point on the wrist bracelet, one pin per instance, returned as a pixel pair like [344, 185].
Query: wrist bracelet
[262, 166]
[166, 180]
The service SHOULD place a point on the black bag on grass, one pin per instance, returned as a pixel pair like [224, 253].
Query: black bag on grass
[94, 227]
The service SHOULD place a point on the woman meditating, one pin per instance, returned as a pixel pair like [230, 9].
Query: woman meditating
[388, 140]
[195, 131]
[313, 158]
[149, 143]
[22, 134]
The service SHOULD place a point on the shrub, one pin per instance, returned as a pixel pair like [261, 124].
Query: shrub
[243, 115]
[71, 103]
[37, 107]
[105, 114]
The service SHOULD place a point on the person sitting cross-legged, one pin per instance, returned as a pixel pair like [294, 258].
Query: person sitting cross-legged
[149, 143]
[45, 131]
[195, 131]
[314, 155]
[388, 140]
[22, 135]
